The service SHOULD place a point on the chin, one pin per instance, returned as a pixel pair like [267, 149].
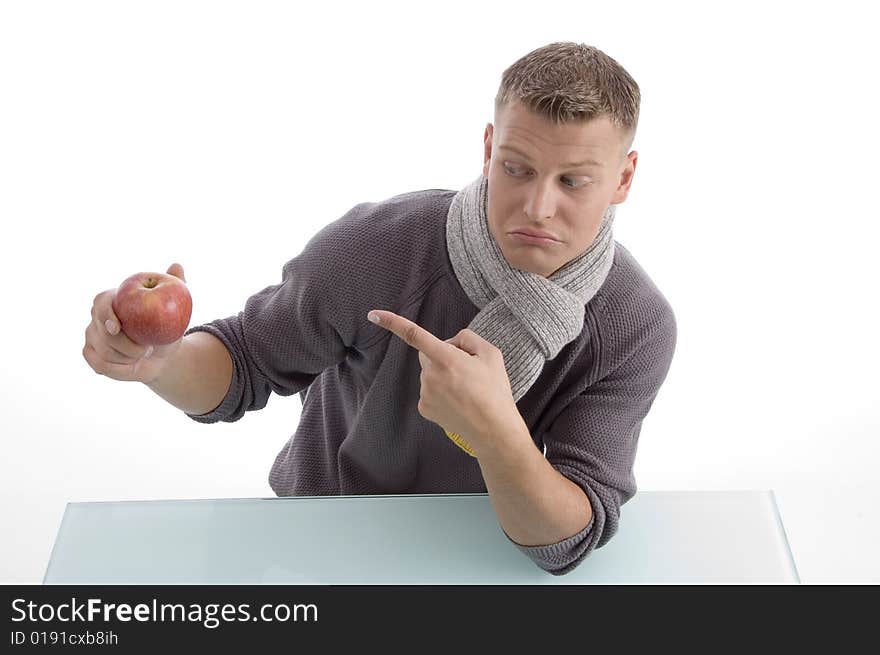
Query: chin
[530, 265]
[523, 258]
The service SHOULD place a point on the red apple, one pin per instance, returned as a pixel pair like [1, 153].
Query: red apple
[153, 308]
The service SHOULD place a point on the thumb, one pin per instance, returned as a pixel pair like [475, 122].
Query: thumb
[176, 270]
[469, 341]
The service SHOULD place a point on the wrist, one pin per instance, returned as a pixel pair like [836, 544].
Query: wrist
[506, 442]
[164, 370]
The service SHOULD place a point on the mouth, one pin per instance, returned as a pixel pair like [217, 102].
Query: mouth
[527, 237]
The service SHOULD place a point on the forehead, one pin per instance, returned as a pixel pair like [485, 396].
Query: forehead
[519, 128]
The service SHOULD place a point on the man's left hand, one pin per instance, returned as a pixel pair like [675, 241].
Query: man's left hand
[464, 385]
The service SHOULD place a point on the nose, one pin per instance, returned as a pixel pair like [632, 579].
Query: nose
[540, 201]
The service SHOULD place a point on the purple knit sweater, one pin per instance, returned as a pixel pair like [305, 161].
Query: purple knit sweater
[360, 431]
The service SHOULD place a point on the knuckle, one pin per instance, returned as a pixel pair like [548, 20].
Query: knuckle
[90, 359]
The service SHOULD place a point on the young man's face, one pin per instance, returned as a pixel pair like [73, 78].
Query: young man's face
[538, 190]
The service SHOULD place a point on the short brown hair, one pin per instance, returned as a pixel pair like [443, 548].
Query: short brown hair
[567, 81]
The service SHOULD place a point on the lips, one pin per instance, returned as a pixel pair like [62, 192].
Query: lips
[538, 234]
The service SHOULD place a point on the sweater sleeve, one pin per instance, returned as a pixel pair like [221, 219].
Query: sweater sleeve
[593, 441]
[287, 334]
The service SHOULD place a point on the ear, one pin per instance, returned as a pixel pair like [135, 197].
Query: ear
[487, 148]
[626, 178]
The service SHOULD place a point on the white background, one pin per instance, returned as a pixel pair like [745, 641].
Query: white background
[223, 135]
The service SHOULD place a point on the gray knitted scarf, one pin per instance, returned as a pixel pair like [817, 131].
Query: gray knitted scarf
[528, 317]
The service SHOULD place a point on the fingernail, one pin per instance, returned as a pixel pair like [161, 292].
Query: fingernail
[149, 352]
[110, 325]
[374, 317]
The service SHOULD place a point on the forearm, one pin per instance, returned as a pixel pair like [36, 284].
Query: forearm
[198, 377]
[535, 504]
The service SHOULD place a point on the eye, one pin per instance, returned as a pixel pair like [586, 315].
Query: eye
[515, 170]
[574, 186]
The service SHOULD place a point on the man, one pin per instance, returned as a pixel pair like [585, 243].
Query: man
[512, 347]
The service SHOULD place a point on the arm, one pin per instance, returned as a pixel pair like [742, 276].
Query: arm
[535, 504]
[289, 333]
[565, 506]
[558, 510]
[197, 378]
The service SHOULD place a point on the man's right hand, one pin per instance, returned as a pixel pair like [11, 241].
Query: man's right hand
[109, 352]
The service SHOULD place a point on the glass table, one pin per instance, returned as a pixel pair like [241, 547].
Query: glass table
[665, 537]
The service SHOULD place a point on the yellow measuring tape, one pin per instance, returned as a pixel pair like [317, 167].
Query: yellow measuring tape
[461, 443]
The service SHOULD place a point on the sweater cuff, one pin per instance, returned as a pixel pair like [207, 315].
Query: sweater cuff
[230, 401]
[552, 555]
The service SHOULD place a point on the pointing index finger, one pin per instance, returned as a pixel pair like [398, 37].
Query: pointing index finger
[415, 335]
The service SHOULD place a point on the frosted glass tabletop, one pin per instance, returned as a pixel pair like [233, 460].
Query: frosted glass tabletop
[665, 537]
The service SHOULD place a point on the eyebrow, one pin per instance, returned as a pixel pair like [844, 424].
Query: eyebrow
[586, 162]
